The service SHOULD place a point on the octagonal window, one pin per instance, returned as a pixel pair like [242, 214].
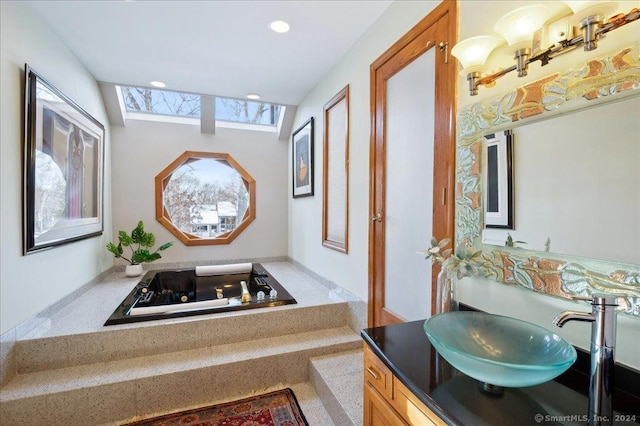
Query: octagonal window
[205, 198]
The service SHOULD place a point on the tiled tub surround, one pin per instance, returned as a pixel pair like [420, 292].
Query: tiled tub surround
[72, 368]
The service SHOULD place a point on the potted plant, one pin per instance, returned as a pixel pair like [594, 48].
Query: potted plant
[139, 242]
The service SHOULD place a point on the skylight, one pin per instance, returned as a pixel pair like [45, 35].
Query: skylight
[164, 102]
[249, 112]
[142, 100]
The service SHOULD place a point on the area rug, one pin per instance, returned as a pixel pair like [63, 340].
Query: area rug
[278, 408]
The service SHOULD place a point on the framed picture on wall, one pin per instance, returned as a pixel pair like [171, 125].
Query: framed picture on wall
[63, 168]
[498, 178]
[302, 160]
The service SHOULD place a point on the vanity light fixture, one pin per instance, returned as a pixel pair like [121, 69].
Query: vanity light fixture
[521, 27]
[158, 84]
[279, 26]
[253, 96]
[589, 16]
[518, 28]
[472, 54]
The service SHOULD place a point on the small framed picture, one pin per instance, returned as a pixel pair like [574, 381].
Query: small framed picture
[302, 160]
[498, 179]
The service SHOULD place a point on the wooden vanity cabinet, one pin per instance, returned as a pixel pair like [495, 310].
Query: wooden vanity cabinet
[387, 401]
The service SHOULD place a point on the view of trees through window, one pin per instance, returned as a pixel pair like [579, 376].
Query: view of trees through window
[206, 197]
[139, 99]
[165, 102]
[240, 111]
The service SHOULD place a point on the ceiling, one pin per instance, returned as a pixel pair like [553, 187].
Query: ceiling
[220, 48]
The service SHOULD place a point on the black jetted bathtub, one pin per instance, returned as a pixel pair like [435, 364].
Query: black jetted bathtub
[170, 294]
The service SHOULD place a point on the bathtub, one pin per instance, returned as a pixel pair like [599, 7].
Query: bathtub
[179, 293]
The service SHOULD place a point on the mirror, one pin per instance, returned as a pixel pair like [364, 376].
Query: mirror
[205, 198]
[576, 184]
[580, 96]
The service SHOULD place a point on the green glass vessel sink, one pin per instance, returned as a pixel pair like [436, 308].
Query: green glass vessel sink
[498, 350]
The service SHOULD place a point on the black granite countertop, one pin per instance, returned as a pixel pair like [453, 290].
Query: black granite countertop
[456, 398]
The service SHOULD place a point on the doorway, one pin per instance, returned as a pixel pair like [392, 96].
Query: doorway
[412, 166]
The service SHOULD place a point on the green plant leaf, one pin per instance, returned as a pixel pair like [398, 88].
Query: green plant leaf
[143, 255]
[165, 246]
[147, 239]
[124, 239]
[153, 256]
[116, 250]
[140, 256]
[138, 233]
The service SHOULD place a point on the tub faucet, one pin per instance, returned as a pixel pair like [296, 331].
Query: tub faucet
[246, 296]
[603, 340]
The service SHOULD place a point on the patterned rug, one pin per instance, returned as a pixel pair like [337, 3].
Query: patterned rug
[279, 408]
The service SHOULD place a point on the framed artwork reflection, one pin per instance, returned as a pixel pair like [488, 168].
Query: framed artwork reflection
[302, 160]
[498, 178]
[63, 168]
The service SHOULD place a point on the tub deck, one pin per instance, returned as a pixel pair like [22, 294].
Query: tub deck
[180, 293]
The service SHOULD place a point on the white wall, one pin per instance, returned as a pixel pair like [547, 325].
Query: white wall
[143, 149]
[28, 284]
[350, 271]
[478, 18]
[305, 214]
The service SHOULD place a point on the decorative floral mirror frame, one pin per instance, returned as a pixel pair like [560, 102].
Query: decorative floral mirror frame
[189, 239]
[601, 80]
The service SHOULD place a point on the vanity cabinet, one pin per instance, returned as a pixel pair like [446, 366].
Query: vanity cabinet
[387, 401]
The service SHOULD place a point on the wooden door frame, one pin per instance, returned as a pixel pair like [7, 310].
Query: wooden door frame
[444, 148]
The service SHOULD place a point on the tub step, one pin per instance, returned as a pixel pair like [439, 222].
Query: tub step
[337, 379]
[157, 337]
[126, 389]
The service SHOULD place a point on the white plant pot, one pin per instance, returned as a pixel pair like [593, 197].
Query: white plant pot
[133, 270]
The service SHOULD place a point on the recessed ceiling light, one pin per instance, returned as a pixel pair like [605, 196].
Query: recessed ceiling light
[157, 84]
[279, 26]
[253, 96]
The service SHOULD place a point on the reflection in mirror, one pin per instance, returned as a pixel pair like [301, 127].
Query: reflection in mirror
[50, 194]
[577, 184]
[205, 198]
